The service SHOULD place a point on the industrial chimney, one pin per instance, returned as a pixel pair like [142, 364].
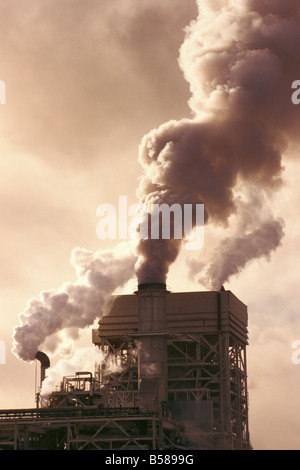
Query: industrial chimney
[152, 342]
[45, 364]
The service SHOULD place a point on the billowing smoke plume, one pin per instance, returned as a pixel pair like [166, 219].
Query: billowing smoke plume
[254, 233]
[234, 253]
[75, 305]
[240, 58]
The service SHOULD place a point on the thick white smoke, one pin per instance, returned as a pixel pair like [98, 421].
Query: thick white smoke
[240, 58]
[75, 305]
[252, 233]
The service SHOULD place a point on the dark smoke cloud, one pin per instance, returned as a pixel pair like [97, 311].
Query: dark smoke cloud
[240, 59]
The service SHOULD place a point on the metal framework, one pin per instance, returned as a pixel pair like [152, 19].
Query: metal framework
[84, 429]
[207, 374]
[209, 369]
[206, 404]
[82, 415]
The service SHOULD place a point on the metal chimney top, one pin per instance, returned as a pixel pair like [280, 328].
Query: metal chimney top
[152, 285]
[43, 358]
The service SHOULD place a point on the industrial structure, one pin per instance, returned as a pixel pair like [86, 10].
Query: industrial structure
[181, 380]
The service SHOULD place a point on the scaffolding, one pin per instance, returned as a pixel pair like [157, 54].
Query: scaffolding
[76, 428]
[202, 403]
[82, 415]
[206, 360]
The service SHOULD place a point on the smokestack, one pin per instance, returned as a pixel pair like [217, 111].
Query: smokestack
[45, 364]
[152, 285]
[152, 330]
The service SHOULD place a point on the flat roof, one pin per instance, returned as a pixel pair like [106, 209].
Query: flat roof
[187, 313]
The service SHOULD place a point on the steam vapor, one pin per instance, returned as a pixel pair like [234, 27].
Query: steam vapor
[83, 358]
[234, 253]
[240, 59]
[74, 305]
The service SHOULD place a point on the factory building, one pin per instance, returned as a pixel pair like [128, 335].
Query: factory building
[179, 382]
[187, 365]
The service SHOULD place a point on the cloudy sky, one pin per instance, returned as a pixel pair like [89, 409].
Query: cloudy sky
[85, 82]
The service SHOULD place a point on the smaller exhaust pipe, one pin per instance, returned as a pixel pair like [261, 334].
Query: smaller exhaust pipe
[45, 363]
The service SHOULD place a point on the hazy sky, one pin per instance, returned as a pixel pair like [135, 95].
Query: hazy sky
[85, 81]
